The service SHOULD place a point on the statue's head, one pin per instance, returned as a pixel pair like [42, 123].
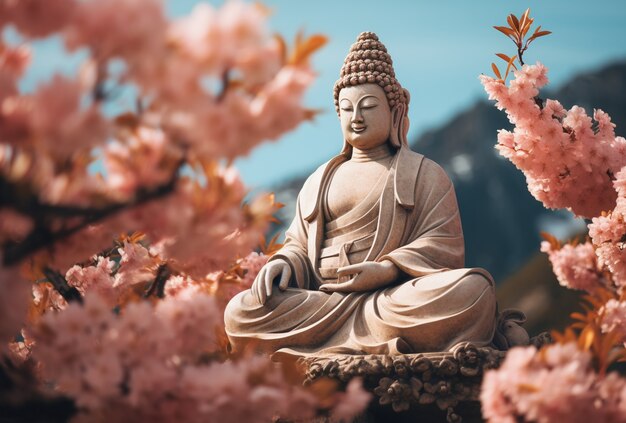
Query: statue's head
[370, 102]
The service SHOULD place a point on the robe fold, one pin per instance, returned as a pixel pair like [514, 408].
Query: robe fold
[411, 218]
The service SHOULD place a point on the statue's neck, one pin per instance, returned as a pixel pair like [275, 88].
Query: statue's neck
[375, 154]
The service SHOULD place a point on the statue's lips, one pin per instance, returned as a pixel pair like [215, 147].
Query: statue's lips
[358, 129]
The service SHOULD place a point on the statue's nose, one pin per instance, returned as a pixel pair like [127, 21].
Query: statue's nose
[357, 116]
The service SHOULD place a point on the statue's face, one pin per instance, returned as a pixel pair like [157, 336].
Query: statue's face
[365, 116]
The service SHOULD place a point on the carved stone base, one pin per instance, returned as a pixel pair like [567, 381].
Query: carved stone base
[434, 386]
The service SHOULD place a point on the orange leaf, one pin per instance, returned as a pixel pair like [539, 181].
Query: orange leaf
[527, 27]
[505, 30]
[587, 336]
[524, 18]
[310, 114]
[578, 316]
[503, 57]
[554, 243]
[515, 22]
[541, 34]
[511, 22]
[304, 49]
[527, 387]
[509, 64]
[496, 70]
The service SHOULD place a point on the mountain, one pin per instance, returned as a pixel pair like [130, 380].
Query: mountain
[501, 220]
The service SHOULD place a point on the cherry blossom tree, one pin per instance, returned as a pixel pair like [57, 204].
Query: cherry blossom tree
[123, 227]
[576, 162]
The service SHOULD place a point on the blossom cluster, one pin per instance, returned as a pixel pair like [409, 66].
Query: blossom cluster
[608, 233]
[569, 160]
[152, 362]
[575, 266]
[557, 383]
[160, 360]
[137, 142]
[207, 86]
[613, 314]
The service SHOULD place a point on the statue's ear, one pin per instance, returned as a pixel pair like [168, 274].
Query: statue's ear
[397, 135]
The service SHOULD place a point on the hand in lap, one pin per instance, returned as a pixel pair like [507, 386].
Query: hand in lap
[369, 276]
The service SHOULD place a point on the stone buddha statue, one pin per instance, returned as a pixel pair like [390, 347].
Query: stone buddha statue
[373, 260]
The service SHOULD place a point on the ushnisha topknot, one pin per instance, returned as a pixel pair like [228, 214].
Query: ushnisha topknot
[369, 62]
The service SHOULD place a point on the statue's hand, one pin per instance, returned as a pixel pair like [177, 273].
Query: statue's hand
[369, 275]
[262, 285]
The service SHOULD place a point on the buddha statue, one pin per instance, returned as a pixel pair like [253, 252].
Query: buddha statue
[373, 260]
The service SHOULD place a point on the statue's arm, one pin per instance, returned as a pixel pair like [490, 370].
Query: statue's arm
[433, 238]
[294, 251]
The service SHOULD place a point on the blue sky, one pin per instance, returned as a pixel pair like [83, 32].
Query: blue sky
[439, 49]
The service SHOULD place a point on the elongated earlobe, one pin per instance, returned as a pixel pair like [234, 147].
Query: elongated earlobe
[397, 136]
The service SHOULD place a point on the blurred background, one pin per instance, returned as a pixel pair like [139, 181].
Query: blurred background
[439, 49]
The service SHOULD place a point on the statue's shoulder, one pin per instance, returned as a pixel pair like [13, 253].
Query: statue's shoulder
[422, 166]
[432, 169]
[312, 183]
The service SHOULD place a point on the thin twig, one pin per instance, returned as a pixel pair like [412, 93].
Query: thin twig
[157, 286]
[58, 281]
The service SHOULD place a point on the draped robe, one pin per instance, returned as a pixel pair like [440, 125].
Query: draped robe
[411, 218]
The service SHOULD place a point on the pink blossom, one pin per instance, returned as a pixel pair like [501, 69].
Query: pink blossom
[45, 296]
[277, 106]
[35, 18]
[94, 278]
[80, 246]
[252, 264]
[606, 128]
[20, 350]
[558, 384]
[103, 26]
[607, 233]
[13, 63]
[15, 113]
[183, 313]
[228, 37]
[202, 228]
[117, 356]
[352, 402]
[60, 125]
[153, 362]
[575, 267]
[176, 284]
[620, 187]
[566, 164]
[614, 317]
[142, 158]
[136, 265]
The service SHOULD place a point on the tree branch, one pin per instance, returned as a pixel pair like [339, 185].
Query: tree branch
[157, 286]
[69, 293]
[41, 236]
